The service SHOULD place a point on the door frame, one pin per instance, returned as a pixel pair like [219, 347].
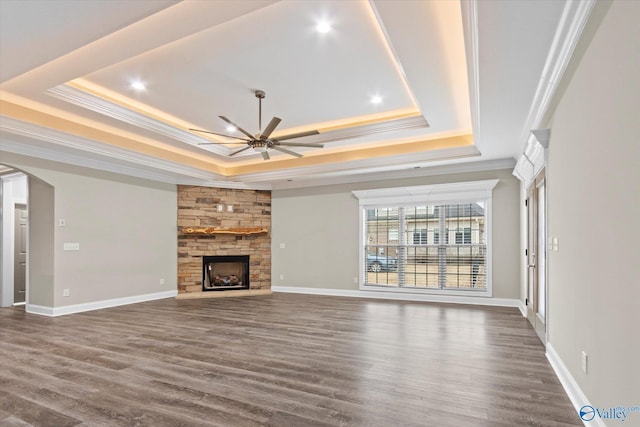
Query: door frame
[536, 251]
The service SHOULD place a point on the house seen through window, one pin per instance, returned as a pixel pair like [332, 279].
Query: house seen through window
[404, 246]
[427, 239]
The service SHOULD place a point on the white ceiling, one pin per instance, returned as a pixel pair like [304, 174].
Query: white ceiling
[460, 83]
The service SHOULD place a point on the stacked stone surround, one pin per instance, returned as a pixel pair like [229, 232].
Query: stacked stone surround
[197, 207]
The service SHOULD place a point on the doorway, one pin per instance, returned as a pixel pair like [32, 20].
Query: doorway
[20, 254]
[14, 240]
[536, 252]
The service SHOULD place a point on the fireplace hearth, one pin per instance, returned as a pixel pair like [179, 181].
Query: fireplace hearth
[225, 272]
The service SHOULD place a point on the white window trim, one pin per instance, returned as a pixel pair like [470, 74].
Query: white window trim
[459, 192]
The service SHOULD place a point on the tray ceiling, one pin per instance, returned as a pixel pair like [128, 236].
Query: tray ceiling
[454, 83]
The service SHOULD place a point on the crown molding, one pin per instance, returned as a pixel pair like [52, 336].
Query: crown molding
[364, 166]
[391, 125]
[80, 151]
[575, 16]
[406, 173]
[70, 149]
[159, 174]
[111, 109]
[534, 156]
[116, 111]
[83, 152]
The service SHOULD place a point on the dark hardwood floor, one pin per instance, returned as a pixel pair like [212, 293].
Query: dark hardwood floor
[278, 360]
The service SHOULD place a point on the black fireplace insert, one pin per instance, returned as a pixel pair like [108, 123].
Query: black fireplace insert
[225, 272]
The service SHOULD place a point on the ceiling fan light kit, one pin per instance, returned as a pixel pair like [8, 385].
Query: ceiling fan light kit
[262, 142]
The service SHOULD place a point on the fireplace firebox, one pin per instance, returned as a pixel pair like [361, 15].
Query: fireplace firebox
[225, 272]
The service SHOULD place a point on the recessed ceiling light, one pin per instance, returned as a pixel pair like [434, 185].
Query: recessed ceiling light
[231, 128]
[376, 99]
[138, 85]
[323, 27]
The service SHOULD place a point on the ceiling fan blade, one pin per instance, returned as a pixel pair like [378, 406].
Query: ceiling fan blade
[240, 150]
[238, 127]
[296, 135]
[284, 150]
[221, 143]
[265, 155]
[270, 128]
[220, 134]
[302, 144]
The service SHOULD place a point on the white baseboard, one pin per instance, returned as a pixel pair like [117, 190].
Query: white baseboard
[500, 302]
[523, 308]
[97, 305]
[571, 387]
[39, 309]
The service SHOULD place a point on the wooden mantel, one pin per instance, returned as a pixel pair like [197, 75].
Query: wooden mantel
[219, 230]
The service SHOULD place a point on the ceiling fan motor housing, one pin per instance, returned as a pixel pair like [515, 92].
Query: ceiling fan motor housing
[261, 140]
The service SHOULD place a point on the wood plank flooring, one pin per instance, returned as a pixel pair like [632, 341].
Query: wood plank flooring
[278, 360]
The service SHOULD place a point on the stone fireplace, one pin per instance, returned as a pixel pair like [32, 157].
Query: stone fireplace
[205, 230]
[223, 273]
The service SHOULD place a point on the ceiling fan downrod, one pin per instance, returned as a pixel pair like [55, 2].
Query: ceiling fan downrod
[260, 95]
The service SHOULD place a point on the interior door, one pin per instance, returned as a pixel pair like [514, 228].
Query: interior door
[20, 254]
[537, 255]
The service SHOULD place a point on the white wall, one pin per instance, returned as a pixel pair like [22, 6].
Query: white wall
[594, 208]
[126, 228]
[319, 227]
[14, 190]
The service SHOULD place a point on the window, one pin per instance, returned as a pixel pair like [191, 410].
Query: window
[463, 236]
[436, 236]
[420, 236]
[441, 239]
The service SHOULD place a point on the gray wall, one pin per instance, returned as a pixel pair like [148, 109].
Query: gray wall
[319, 228]
[593, 208]
[126, 228]
[41, 205]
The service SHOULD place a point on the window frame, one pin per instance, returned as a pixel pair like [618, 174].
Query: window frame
[452, 193]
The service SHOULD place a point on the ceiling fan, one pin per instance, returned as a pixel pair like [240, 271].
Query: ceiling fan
[262, 142]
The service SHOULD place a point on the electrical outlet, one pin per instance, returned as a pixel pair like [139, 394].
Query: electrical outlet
[62, 223]
[65, 292]
[585, 362]
[162, 281]
[282, 277]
